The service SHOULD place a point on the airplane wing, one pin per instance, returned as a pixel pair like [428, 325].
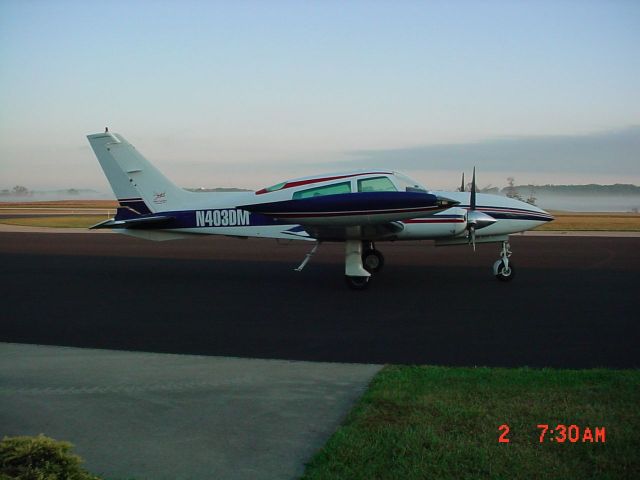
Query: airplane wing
[352, 215]
[353, 209]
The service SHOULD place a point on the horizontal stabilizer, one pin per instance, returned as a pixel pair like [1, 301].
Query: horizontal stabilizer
[155, 221]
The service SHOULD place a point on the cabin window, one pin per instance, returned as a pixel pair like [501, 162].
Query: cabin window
[275, 188]
[336, 188]
[377, 184]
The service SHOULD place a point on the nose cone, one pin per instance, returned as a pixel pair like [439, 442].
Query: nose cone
[534, 212]
[542, 215]
[479, 220]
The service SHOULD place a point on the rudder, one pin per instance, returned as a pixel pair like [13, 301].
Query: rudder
[139, 186]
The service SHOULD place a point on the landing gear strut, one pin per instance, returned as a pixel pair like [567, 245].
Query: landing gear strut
[307, 257]
[356, 276]
[503, 269]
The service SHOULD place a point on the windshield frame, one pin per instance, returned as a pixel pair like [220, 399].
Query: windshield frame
[408, 184]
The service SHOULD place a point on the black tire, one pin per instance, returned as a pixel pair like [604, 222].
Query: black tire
[505, 276]
[372, 261]
[357, 283]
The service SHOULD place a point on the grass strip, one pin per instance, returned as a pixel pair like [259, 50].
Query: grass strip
[610, 222]
[57, 221]
[443, 423]
[111, 204]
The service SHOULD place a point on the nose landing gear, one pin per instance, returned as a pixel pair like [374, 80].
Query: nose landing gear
[503, 269]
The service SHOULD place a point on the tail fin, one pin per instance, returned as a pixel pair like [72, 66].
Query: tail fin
[138, 185]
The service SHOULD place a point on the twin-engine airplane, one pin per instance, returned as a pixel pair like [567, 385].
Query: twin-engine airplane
[358, 208]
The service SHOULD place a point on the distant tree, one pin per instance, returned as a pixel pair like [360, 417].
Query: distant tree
[20, 191]
[488, 189]
[73, 191]
[510, 190]
[532, 195]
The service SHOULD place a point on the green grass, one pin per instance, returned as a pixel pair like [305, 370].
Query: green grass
[58, 221]
[442, 423]
[609, 222]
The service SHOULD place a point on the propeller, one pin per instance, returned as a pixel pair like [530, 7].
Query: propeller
[472, 197]
[475, 219]
[462, 184]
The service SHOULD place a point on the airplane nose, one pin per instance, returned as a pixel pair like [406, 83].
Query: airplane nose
[536, 212]
[545, 216]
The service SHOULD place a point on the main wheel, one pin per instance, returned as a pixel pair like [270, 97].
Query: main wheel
[504, 274]
[372, 261]
[357, 283]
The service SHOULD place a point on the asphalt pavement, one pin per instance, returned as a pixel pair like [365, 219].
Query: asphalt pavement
[573, 303]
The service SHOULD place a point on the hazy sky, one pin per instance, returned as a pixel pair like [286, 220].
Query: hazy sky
[248, 93]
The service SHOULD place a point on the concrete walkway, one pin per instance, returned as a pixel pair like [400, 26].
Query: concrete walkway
[160, 416]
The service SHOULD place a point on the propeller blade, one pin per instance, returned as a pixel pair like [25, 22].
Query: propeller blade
[472, 200]
[462, 184]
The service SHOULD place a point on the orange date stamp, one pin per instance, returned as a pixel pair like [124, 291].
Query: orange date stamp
[560, 434]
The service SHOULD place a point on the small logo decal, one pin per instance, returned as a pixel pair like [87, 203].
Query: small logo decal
[159, 198]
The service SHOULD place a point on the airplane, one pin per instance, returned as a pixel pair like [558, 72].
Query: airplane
[359, 208]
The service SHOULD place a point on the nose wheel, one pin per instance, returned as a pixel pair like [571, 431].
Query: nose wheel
[503, 268]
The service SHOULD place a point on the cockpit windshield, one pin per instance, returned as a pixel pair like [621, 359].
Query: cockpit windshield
[408, 184]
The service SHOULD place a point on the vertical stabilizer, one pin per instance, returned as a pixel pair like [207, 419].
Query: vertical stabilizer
[136, 183]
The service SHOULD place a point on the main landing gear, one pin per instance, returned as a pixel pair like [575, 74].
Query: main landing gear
[372, 259]
[503, 268]
[361, 260]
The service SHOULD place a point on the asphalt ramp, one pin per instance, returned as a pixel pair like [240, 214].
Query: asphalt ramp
[163, 416]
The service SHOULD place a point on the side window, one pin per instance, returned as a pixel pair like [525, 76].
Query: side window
[334, 189]
[377, 184]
